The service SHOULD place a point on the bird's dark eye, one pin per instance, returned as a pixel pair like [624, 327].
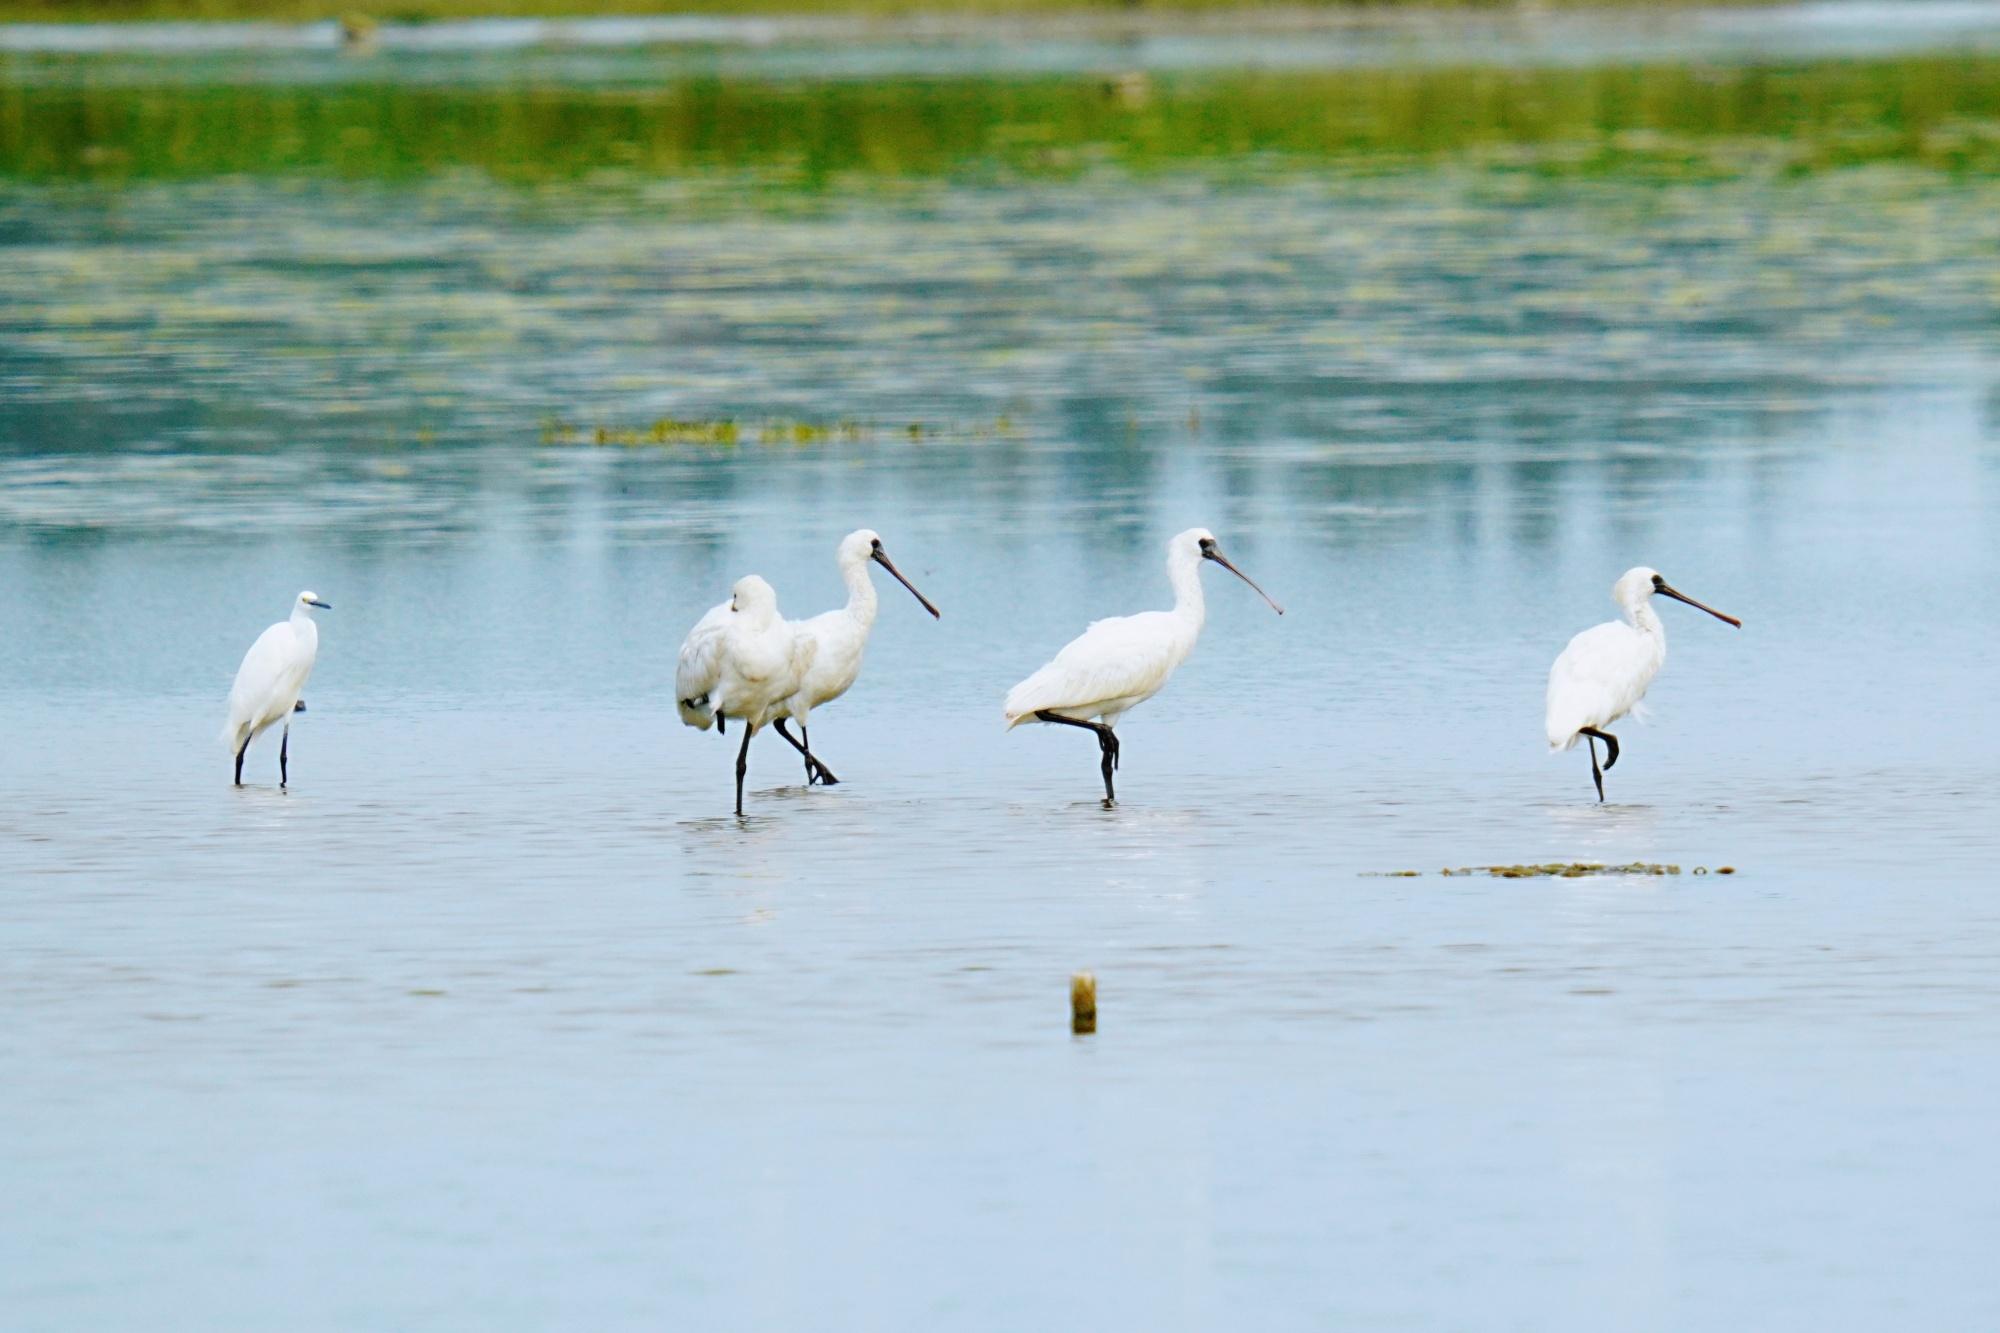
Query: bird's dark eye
[1659, 582]
[876, 544]
[1208, 543]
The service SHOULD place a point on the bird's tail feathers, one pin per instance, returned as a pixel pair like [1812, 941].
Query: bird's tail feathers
[1024, 699]
[697, 712]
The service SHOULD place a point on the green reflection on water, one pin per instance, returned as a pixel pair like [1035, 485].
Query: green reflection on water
[1673, 122]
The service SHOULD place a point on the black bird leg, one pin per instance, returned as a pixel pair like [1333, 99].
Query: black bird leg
[1610, 743]
[284, 744]
[1596, 774]
[815, 770]
[241, 750]
[1107, 743]
[812, 771]
[743, 767]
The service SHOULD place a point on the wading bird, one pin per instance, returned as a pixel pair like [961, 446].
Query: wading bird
[1604, 672]
[1115, 665]
[269, 682]
[839, 639]
[740, 663]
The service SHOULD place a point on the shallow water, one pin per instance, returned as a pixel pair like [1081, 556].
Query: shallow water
[636, 47]
[498, 1019]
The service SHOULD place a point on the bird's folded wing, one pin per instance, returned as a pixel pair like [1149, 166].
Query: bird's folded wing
[1588, 682]
[700, 664]
[1097, 665]
[272, 674]
[265, 658]
[805, 649]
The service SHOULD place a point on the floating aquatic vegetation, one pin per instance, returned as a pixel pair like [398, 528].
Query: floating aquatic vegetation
[1556, 870]
[1566, 870]
[1083, 1003]
[728, 433]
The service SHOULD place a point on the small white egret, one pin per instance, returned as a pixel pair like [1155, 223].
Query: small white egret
[269, 682]
[1117, 664]
[839, 638]
[1603, 673]
[742, 660]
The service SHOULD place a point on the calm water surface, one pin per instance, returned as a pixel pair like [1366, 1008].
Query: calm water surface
[499, 1019]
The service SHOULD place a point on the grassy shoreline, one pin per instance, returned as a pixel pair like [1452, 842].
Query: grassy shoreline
[424, 11]
[1939, 113]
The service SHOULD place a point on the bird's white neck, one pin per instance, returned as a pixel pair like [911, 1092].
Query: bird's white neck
[1643, 618]
[861, 599]
[305, 629]
[1184, 572]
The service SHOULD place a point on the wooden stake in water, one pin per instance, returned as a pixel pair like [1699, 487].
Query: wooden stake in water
[1083, 1003]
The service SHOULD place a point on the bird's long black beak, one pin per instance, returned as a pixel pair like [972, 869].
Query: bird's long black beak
[881, 557]
[324, 606]
[1665, 591]
[1211, 553]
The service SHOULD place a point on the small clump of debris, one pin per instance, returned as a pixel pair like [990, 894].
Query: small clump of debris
[1555, 870]
[1566, 870]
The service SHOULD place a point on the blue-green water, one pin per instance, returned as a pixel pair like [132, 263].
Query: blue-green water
[498, 1019]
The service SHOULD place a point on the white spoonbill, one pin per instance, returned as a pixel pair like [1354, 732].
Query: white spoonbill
[742, 660]
[1604, 672]
[1117, 664]
[839, 638]
[270, 681]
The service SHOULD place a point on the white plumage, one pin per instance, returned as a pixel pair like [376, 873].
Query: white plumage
[1605, 671]
[699, 668]
[1117, 664]
[1601, 676]
[270, 681]
[740, 663]
[840, 638]
[1112, 667]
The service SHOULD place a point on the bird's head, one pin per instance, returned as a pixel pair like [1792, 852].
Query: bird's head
[868, 546]
[1204, 547]
[1634, 586]
[1637, 585]
[858, 546]
[752, 596]
[310, 599]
